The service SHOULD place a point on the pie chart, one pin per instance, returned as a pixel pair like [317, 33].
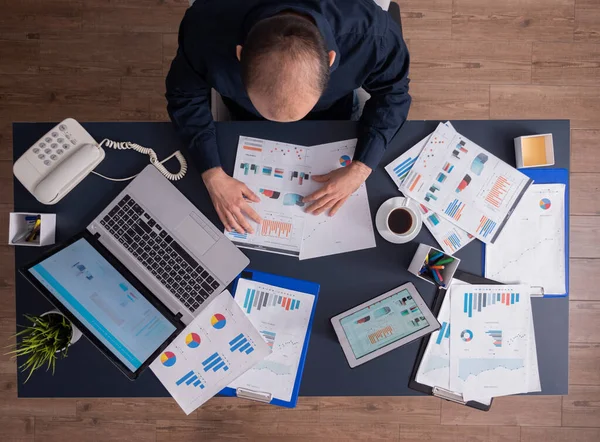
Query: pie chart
[218, 321]
[192, 340]
[345, 160]
[545, 203]
[168, 359]
[466, 335]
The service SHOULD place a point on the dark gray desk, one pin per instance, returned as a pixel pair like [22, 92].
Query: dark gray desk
[346, 280]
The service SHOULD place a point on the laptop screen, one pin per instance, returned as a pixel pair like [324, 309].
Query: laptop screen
[105, 302]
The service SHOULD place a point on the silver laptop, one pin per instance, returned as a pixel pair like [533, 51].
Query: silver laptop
[167, 243]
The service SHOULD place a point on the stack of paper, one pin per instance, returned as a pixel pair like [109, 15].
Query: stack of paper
[486, 345]
[463, 190]
[281, 175]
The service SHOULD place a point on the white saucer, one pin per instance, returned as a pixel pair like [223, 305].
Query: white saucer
[381, 220]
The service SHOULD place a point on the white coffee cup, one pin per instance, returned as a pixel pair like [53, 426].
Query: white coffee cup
[398, 220]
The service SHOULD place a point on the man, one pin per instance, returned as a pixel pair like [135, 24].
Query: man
[285, 61]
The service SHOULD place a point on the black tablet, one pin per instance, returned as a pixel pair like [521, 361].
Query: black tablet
[110, 306]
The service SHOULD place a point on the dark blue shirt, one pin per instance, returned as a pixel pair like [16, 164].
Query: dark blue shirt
[370, 53]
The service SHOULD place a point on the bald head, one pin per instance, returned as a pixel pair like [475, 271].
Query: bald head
[285, 66]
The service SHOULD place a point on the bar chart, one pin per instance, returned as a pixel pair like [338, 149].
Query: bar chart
[486, 226]
[191, 379]
[496, 335]
[240, 343]
[380, 334]
[402, 169]
[258, 299]
[475, 302]
[455, 209]
[276, 229]
[498, 192]
[215, 363]
[269, 337]
[444, 333]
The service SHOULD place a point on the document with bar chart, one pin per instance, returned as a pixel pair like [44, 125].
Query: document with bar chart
[449, 236]
[281, 175]
[282, 317]
[465, 184]
[490, 340]
[214, 349]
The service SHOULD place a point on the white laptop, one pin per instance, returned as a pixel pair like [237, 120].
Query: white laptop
[167, 243]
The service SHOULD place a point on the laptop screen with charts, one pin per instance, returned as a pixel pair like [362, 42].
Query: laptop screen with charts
[106, 302]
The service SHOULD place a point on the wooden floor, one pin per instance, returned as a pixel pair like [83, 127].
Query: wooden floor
[100, 60]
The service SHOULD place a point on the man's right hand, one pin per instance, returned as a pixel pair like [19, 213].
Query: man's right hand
[227, 195]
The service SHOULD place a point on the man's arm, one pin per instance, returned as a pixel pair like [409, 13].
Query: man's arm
[189, 108]
[188, 97]
[387, 109]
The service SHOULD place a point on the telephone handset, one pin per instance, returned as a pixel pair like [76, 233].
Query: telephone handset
[63, 157]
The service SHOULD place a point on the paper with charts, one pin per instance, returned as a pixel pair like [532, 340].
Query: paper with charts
[490, 340]
[280, 174]
[531, 248]
[282, 317]
[218, 346]
[450, 237]
[465, 184]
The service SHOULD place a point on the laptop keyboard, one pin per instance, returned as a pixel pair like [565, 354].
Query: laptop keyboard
[158, 252]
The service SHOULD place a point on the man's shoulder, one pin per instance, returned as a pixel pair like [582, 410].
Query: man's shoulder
[359, 17]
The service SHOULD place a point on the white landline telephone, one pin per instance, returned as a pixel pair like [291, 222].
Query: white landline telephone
[63, 157]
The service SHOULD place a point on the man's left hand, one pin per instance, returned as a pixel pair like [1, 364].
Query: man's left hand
[338, 186]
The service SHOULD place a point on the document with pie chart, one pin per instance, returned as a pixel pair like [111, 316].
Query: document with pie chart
[281, 175]
[533, 239]
[214, 349]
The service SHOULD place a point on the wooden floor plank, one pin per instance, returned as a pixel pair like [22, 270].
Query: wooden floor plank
[483, 62]
[582, 186]
[93, 430]
[6, 139]
[587, 20]
[25, 19]
[581, 408]
[426, 19]
[584, 277]
[129, 409]
[143, 98]
[446, 101]
[585, 236]
[6, 183]
[507, 411]
[458, 433]
[566, 63]
[122, 54]
[584, 151]
[169, 430]
[373, 410]
[580, 104]
[560, 434]
[52, 98]
[47, 408]
[307, 410]
[19, 57]
[552, 20]
[120, 16]
[584, 361]
[584, 323]
[15, 429]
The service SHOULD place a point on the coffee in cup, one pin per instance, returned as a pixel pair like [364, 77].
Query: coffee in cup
[400, 221]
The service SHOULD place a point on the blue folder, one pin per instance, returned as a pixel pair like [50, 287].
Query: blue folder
[552, 176]
[298, 285]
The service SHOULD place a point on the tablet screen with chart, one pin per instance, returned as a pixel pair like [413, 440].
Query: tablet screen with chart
[383, 322]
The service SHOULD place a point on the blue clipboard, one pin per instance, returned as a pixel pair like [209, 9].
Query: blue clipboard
[298, 285]
[551, 176]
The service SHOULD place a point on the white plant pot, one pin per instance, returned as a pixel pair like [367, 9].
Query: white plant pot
[75, 334]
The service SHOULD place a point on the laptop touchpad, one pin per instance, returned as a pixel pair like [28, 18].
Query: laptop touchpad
[194, 236]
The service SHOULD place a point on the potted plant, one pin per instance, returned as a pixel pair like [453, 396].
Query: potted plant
[44, 341]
